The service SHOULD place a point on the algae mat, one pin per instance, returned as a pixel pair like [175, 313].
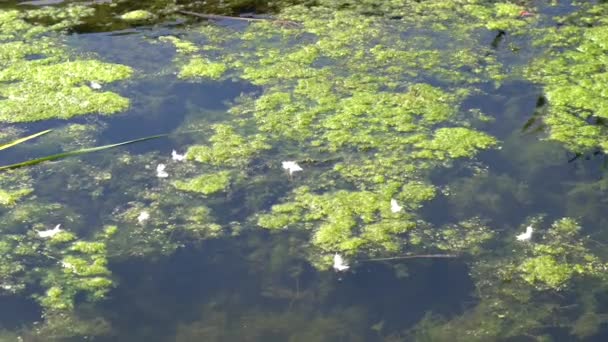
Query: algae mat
[332, 170]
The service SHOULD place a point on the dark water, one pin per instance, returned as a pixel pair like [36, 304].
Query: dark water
[253, 287]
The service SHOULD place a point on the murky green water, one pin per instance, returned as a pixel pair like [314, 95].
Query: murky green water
[332, 171]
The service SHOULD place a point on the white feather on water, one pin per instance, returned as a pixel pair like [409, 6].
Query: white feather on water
[177, 157]
[339, 264]
[160, 171]
[527, 235]
[291, 166]
[395, 207]
[50, 233]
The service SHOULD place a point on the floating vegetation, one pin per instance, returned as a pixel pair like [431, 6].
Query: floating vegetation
[519, 292]
[39, 79]
[340, 93]
[137, 15]
[572, 74]
[205, 184]
[338, 124]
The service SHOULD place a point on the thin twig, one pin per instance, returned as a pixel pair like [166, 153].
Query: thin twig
[287, 23]
[217, 16]
[420, 256]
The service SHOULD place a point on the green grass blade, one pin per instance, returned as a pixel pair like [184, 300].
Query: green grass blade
[77, 152]
[21, 140]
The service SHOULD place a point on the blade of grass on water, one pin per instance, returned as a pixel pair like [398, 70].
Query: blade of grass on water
[77, 152]
[24, 139]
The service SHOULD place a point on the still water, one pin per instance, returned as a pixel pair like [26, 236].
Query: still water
[212, 264]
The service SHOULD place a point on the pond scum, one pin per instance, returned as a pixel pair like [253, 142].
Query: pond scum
[368, 100]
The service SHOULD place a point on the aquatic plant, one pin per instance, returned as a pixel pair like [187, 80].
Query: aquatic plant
[369, 102]
[340, 93]
[206, 184]
[137, 15]
[572, 74]
[51, 85]
[516, 291]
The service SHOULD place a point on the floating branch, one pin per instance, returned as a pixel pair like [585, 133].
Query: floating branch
[419, 256]
[247, 19]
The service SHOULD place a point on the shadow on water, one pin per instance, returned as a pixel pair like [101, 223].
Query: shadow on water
[107, 12]
[527, 176]
[245, 282]
[17, 312]
[439, 286]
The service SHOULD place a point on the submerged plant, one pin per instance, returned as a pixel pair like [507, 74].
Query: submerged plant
[349, 105]
[351, 115]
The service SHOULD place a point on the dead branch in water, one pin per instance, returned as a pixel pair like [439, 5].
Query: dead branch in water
[419, 256]
[226, 17]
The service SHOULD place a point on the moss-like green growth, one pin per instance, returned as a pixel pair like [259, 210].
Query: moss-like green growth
[468, 236]
[137, 15]
[62, 237]
[347, 221]
[458, 16]
[206, 184]
[573, 76]
[9, 198]
[546, 270]
[228, 148]
[201, 67]
[516, 284]
[53, 84]
[182, 46]
[38, 92]
[339, 88]
[455, 143]
[18, 24]
[561, 255]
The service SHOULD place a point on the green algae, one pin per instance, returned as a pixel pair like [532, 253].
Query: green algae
[559, 257]
[40, 92]
[137, 15]
[516, 287]
[228, 148]
[73, 267]
[206, 184]
[572, 74]
[455, 143]
[16, 24]
[340, 93]
[54, 85]
[364, 134]
[182, 46]
[201, 67]
[546, 270]
[339, 213]
[10, 198]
